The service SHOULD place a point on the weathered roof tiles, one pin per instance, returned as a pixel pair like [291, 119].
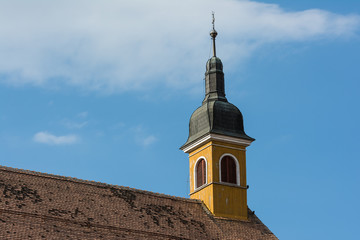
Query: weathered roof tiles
[42, 206]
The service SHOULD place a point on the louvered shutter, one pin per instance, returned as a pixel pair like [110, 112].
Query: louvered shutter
[228, 170]
[200, 173]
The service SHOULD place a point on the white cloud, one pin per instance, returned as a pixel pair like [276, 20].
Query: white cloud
[48, 138]
[141, 137]
[148, 140]
[77, 124]
[117, 45]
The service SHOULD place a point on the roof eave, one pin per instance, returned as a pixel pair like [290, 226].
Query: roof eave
[190, 146]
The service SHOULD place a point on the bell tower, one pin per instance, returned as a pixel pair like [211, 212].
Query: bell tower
[217, 147]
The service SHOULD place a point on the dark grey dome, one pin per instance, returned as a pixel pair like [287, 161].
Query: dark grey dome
[218, 117]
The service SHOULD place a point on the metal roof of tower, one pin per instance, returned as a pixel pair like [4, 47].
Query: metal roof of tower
[216, 115]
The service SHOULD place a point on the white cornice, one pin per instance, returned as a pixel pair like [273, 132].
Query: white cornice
[195, 144]
[218, 137]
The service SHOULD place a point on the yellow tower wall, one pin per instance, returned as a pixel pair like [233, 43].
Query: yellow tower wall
[222, 199]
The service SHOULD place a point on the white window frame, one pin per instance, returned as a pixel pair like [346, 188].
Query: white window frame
[237, 169]
[195, 174]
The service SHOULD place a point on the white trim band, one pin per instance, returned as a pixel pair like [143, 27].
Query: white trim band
[213, 136]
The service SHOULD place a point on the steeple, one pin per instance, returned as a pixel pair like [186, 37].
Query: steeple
[214, 75]
[216, 115]
[217, 147]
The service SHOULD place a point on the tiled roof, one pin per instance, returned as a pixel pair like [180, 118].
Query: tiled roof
[42, 206]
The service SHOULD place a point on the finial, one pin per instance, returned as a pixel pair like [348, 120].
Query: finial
[213, 20]
[213, 34]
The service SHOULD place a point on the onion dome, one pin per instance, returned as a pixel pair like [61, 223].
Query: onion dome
[216, 115]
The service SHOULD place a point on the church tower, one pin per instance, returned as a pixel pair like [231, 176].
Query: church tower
[217, 148]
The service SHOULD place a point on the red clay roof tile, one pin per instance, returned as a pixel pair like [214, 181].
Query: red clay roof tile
[43, 206]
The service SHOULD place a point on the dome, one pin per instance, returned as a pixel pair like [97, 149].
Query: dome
[214, 64]
[220, 117]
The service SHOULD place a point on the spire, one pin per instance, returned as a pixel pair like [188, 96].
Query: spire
[213, 34]
[214, 75]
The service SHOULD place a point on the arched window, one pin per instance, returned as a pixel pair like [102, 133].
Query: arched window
[228, 170]
[200, 173]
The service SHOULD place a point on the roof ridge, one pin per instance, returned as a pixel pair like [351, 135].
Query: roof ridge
[94, 183]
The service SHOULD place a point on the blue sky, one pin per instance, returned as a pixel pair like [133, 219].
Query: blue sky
[104, 91]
